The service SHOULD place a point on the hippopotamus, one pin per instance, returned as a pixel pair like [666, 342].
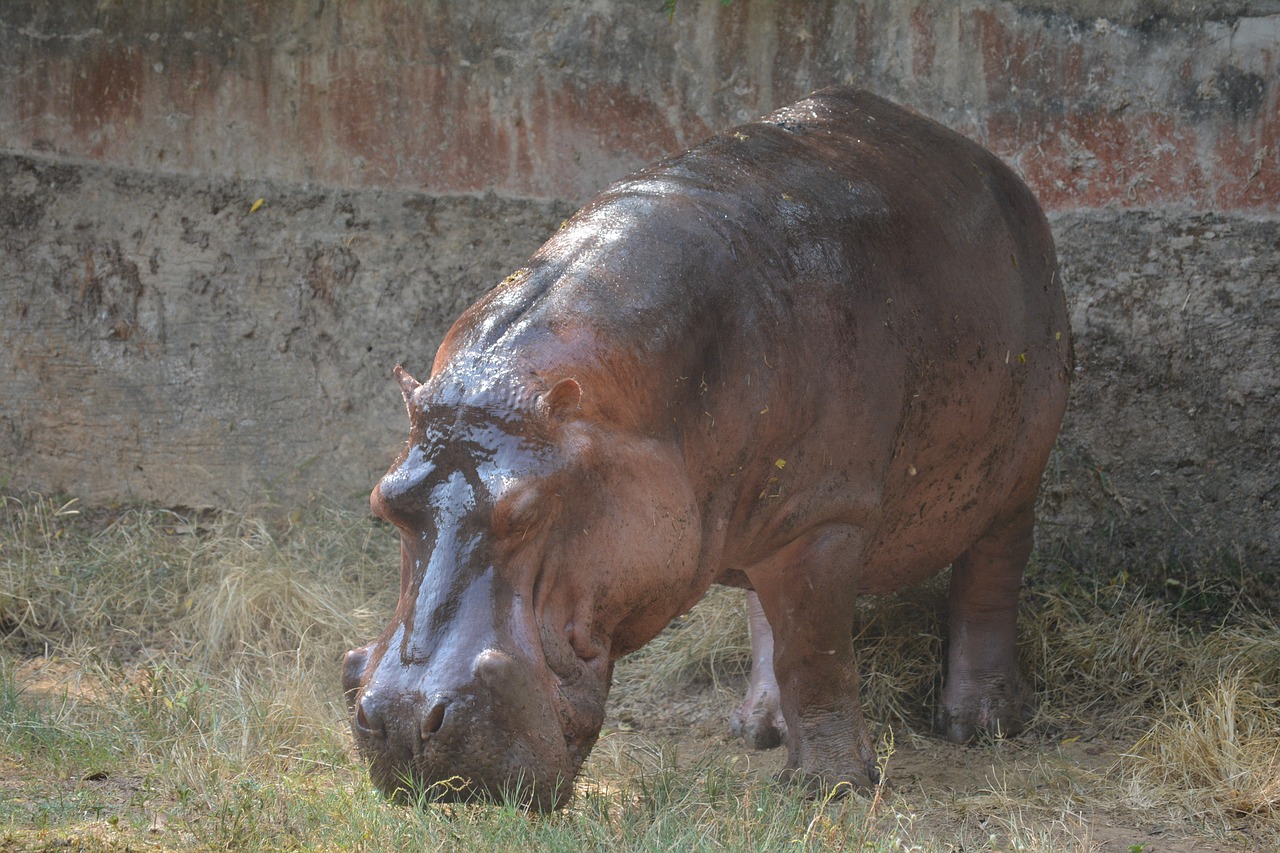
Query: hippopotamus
[821, 355]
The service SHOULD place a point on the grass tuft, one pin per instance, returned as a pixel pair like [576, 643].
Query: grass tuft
[1216, 754]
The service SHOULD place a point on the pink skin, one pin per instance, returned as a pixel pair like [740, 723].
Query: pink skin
[758, 720]
[823, 355]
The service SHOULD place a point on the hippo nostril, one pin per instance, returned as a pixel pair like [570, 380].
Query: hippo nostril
[433, 721]
[366, 725]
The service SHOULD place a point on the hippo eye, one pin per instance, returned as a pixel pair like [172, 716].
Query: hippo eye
[518, 513]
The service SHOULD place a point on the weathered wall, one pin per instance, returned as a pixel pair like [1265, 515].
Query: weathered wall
[1156, 103]
[1170, 459]
[162, 342]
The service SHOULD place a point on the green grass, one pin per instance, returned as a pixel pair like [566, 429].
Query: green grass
[170, 681]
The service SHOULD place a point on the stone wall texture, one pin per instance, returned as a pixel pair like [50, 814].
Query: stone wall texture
[166, 338]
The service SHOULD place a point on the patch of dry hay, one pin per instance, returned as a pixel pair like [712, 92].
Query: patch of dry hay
[1216, 755]
[709, 643]
[300, 595]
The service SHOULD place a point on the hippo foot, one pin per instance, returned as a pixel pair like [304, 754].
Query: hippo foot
[758, 721]
[998, 713]
[834, 784]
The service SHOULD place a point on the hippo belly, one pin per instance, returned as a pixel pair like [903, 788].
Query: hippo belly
[820, 355]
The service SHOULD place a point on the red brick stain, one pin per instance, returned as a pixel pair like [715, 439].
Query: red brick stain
[392, 103]
[1069, 74]
[481, 142]
[1096, 157]
[358, 94]
[923, 44]
[1002, 53]
[1076, 152]
[35, 101]
[1027, 70]
[800, 43]
[1246, 156]
[105, 92]
[1247, 164]
[568, 124]
[864, 40]
[310, 124]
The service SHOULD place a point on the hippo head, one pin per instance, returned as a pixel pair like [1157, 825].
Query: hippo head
[536, 548]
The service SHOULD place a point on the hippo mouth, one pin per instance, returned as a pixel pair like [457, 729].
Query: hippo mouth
[496, 739]
[530, 770]
[423, 781]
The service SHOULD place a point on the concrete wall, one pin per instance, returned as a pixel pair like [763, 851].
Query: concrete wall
[162, 342]
[553, 99]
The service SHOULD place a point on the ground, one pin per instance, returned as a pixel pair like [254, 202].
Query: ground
[944, 790]
[170, 681]
[950, 789]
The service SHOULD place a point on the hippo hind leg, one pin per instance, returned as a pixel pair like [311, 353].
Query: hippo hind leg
[983, 690]
[758, 720]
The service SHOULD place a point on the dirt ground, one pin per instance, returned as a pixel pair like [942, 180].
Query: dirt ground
[954, 792]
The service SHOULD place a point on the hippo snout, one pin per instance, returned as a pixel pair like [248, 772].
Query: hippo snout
[480, 728]
[426, 716]
[412, 711]
[379, 715]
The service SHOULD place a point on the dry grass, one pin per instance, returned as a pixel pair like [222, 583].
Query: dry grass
[707, 644]
[1215, 756]
[223, 589]
[170, 681]
[283, 594]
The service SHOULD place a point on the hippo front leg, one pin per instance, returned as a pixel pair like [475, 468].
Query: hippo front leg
[984, 691]
[758, 720]
[806, 592]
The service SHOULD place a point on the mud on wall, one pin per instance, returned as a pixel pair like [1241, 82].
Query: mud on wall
[162, 342]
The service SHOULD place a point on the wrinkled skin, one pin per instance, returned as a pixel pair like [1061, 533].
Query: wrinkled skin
[822, 355]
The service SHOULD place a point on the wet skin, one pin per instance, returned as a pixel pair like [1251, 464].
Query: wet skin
[822, 355]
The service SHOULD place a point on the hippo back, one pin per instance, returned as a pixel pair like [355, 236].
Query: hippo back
[839, 268]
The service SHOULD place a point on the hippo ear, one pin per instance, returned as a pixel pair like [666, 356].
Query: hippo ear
[407, 386]
[562, 400]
